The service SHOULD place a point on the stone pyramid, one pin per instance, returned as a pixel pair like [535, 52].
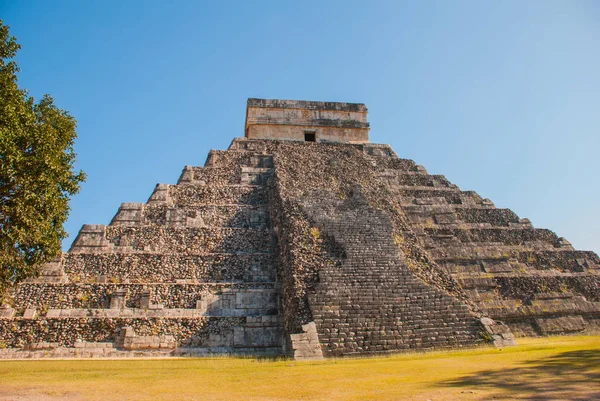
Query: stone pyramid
[303, 239]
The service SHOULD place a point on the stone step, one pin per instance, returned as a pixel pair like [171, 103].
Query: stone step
[378, 150]
[169, 267]
[130, 295]
[558, 260]
[228, 174]
[545, 309]
[197, 195]
[234, 159]
[154, 312]
[440, 196]
[399, 179]
[235, 216]
[214, 332]
[461, 216]
[194, 195]
[249, 145]
[393, 163]
[565, 260]
[513, 296]
[442, 237]
[225, 175]
[185, 240]
[478, 250]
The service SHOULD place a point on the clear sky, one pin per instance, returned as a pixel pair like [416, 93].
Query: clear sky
[501, 97]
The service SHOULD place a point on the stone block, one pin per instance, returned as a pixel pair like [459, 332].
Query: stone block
[129, 214]
[239, 337]
[91, 239]
[160, 195]
[197, 222]
[30, 313]
[560, 324]
[6, 312]
[446, 218]
[53, 313]
[253, 299]
[306, 345]
[187, 175]
[118, 298]
[563, 243]
[145, 298]
[176, 217]
[500, 334]
[53, 272]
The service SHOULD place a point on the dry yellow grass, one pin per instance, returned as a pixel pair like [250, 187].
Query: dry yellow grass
[557, 368]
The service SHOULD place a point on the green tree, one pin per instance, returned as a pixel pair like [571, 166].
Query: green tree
[37, 176]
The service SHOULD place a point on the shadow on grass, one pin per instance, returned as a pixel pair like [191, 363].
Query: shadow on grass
[573, 375]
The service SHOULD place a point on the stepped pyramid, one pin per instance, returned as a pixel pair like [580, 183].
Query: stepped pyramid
[303, 239]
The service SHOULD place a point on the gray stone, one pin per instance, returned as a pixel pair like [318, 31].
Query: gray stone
[30, 313]
[308, 249]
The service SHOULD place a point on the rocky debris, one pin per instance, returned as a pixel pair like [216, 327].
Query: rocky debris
[500, 333]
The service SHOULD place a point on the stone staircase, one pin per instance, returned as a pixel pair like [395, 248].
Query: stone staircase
[306, 249]
[370, 303]
[527, 277]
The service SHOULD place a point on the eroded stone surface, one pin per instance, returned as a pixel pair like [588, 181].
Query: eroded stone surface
[310, 249]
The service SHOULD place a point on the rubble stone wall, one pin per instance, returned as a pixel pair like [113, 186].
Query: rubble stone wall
[191, 271]
[157, 268]
[98, 296]
[66, 331]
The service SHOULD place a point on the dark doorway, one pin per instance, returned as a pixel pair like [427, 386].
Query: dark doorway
[310, 136]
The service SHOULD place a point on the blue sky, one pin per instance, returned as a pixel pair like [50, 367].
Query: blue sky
[501, 97]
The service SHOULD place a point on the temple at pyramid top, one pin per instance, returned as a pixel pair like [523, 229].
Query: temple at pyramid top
[299, 120]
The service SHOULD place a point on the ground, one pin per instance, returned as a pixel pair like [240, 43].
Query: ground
[559, 368]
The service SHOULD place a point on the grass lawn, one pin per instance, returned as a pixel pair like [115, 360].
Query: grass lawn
[558, 368]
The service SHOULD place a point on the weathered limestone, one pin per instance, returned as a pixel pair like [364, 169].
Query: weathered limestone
[306, 345]
[30, 313]
[307, 121]
[128, 340]
[528, 278]
[117, 299]
[342, 241]
[91, 239]
[287, 246]
[6, 312]
[500, 333]
[191, 272]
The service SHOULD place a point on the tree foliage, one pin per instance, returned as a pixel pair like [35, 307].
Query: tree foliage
[37, 176]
